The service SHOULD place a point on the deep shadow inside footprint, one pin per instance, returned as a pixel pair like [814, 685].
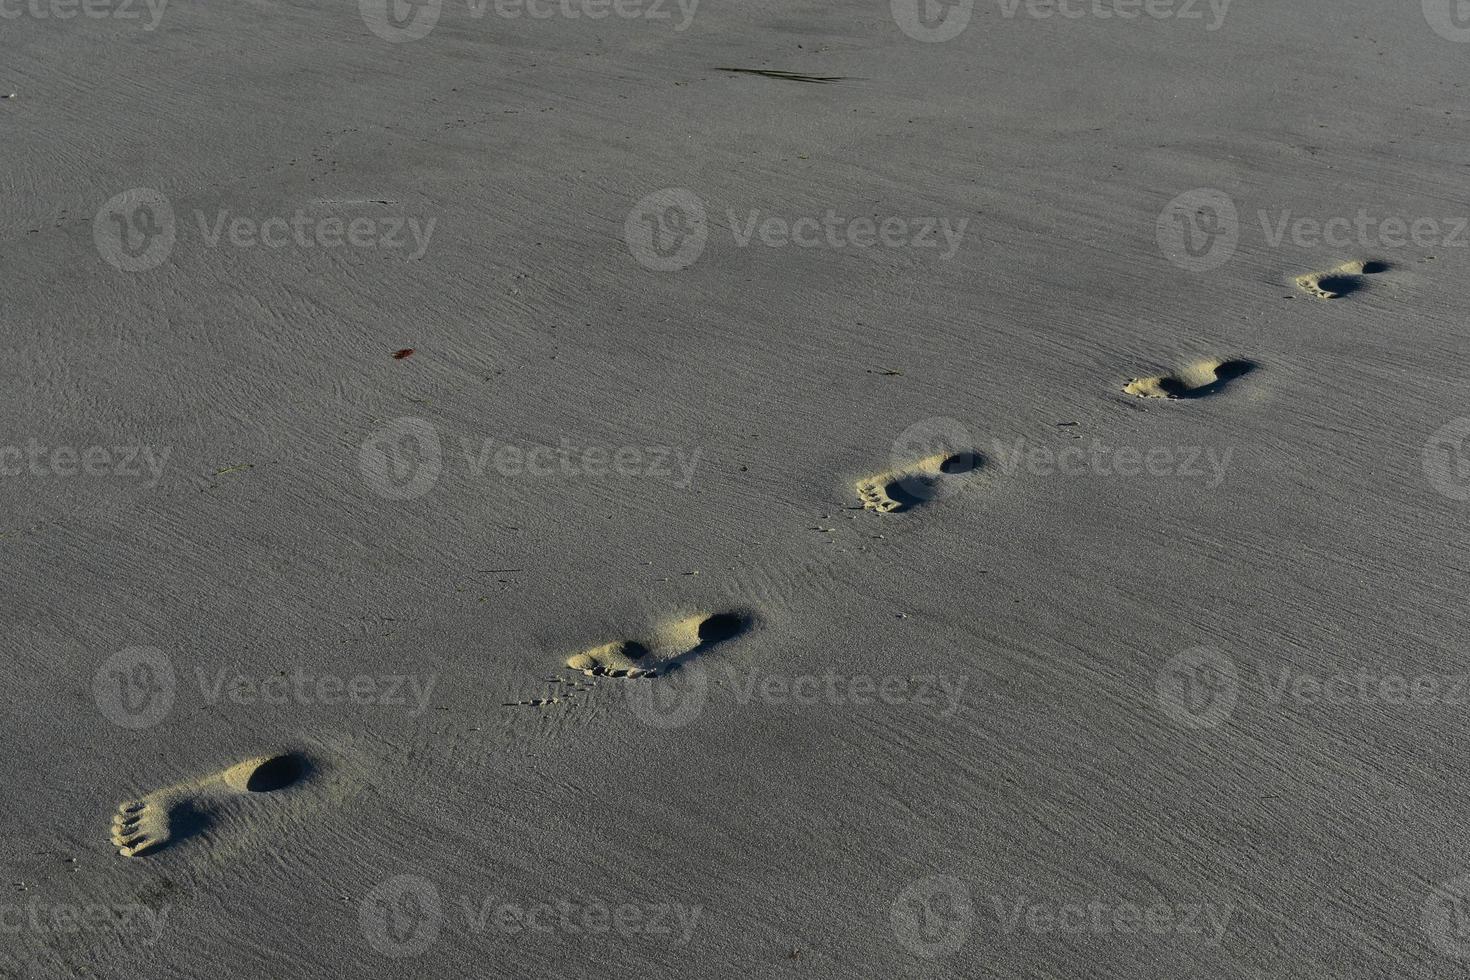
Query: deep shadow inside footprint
[185, 820]
[1340, 285]
[918, 487]
[276, 773]
[167, 816]
[910, 491]
[1196, 381]
[1344, 280]
[711, 631]
[1225, 372]
[190, 816]
[721, 627]
[960, 462]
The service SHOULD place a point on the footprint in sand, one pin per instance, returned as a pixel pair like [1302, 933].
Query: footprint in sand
[1340, 280]
[916, 483]
[670, 647]
[181, 811]
[1198, 380]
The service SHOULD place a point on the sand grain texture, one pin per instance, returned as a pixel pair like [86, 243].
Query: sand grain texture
[1051, 597]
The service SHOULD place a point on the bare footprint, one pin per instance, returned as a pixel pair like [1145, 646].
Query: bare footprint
[917, 483]
[1341, 280]
[672, 645]
[178, 812]
[1198, 380]
[621, 658]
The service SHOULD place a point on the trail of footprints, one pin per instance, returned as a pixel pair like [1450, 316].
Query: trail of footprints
[1210, 377]
[921, 481]
[178, 812]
